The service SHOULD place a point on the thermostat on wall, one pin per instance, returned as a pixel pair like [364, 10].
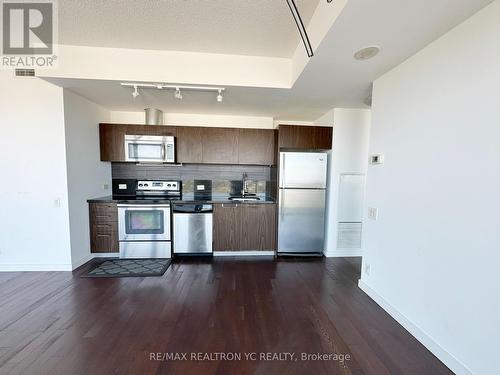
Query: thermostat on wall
[377, 159]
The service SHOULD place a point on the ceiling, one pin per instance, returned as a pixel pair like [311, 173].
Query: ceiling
[242, 27]
[332, 78]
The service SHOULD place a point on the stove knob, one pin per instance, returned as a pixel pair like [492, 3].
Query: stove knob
[169, 185]
[140, 185]
[145, 184]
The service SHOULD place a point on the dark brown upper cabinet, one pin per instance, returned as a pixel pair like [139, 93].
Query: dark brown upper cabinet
[111, 139]
[256, 146]
[305, 137]
[197, 144]
[189, 144]
[220, 145]
[112, 136]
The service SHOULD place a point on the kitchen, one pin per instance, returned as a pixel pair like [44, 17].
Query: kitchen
[179, 190]
[296, 186]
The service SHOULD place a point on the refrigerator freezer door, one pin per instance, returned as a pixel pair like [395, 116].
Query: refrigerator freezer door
[301, 222]
[303, 170]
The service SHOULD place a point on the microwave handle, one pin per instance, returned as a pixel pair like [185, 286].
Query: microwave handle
[163, 151]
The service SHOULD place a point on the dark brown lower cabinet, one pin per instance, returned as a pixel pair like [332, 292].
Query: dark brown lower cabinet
[258, 227]
[226, 227]
[103, 227]
[244, 227]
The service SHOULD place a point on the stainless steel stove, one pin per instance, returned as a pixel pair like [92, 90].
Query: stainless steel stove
[158, 189]
[144, 222]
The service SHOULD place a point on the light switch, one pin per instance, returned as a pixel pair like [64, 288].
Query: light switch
[372, 213]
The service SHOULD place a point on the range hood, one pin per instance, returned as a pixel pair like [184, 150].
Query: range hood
[153, 116]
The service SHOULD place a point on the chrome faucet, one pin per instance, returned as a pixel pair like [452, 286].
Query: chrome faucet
[244, 184]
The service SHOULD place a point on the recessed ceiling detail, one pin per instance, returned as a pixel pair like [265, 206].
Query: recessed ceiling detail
[332, 79]
[242, 27]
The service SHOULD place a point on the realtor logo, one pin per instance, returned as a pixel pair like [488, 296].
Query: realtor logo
[28, 33]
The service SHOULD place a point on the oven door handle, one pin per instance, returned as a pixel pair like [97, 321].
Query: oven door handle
[143, 206]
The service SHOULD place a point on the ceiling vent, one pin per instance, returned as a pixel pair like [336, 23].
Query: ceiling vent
[25, 72]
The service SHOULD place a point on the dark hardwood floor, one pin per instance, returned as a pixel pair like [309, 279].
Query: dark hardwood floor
[60, 323]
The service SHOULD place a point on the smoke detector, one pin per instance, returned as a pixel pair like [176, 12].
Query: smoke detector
[367, 53]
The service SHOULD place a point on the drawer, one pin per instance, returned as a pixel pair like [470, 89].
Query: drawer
[105, 218]
[103, 212]
[104, 228]
[102, 208]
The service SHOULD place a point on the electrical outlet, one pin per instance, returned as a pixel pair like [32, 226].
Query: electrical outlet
[367, 269]
[372, 213]
[57, 202]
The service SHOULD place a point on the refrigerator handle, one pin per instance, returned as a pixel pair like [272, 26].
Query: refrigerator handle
[282, 215]
[282, 170]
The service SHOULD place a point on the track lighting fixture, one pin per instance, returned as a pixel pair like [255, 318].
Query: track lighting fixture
[135, 94]
[178, 94]
[177, 89]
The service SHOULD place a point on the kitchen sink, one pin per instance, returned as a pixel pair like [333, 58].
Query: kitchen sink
[244, 199]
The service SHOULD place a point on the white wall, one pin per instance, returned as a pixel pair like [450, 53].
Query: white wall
[349, 155]
[435, 249]
[187, 119]
[34, 228]
[87, 175]
[197, 68]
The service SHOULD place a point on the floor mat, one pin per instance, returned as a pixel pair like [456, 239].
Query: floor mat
[130, 268]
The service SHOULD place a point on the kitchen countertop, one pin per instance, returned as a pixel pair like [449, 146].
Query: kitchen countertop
[187, 198]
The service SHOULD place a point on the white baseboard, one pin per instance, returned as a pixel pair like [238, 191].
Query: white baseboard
[104, 255]
[34, 267]
[242, 253]
[344, 253]
[442, 354]
[81, 261]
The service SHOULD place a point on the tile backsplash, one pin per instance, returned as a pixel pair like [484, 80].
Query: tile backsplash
[201, 180]
[190, 172]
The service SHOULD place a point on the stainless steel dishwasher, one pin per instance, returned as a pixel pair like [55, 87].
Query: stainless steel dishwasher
[192, 228]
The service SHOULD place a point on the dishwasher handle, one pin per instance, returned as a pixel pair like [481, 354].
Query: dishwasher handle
[190, 208]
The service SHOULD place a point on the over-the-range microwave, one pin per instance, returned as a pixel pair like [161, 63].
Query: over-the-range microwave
[150, 148]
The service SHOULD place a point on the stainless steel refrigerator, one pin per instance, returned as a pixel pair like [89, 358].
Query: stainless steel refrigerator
[302, 202]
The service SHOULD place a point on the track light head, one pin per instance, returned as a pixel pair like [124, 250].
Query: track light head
[176, 87]
[135, 93]
[178, 94]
